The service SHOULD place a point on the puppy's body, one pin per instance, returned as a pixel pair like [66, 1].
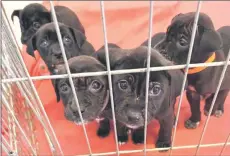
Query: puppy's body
[155, 39]
[225, 35]
[34, 15]
[92, 92]
[129, 94]
[208, 44]
[46, 42]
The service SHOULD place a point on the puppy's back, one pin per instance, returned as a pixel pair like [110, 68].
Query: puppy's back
[68, 17]
[225, 35]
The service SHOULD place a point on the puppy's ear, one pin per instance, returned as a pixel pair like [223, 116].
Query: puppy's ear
[79, 37]
[31, 46]
[46, 15]
[115, 55]
[15, 13]
[175, 77]
[55, 85]
[210, 40]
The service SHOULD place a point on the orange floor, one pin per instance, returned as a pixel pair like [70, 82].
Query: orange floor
[127, 26]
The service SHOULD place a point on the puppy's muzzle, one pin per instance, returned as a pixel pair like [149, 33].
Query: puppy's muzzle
[134, 115]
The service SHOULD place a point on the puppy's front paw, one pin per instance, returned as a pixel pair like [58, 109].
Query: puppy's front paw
[103, 132]
[191, 125]
[138, 138]
[218, 113]
[122, 139]
[163, 144]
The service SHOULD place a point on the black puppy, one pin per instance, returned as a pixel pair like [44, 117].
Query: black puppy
[129, 94]
[155, 39]
[34, 15]
[46, 42]
[92, 92]
[208, 47]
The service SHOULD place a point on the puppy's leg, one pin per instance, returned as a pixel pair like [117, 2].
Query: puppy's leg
[194, 102]
[138, 136]
[122, 133]
[165, 133]
[218, 108]
[104, 128]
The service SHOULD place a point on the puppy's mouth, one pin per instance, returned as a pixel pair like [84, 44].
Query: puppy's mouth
[87, 119]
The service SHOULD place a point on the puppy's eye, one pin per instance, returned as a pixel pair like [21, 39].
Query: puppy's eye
[154, 89]
[66, 40]
[95, 86]
[130, 79]
[44, 43]
[183, 42]
[64, 88]
[123, 84]
[36, 25]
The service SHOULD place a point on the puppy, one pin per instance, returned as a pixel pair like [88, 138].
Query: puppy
[46, 42]
[34, 15]
[208, 47]
[92, 92]
[129, 94]
[155, 39]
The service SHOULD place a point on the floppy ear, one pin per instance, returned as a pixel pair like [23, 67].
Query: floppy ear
[46, 15]
[114, 56]
[210, 40]
[175, 77]
[79, 37]
[15, 13]
[55, 85]
[31, 46]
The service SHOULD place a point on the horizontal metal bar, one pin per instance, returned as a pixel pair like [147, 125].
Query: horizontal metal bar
[115, 72]
[158, 149]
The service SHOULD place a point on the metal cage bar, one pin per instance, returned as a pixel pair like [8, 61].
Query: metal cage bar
[115, 72]
[186, 70]
[225, 144]
[109, 72]
[148, 72]
[54, 17]
[30, 80]
[213, 101]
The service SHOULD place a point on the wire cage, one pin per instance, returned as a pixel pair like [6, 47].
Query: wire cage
[22, 107]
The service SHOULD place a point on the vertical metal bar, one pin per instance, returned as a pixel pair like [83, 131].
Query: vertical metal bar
[213, 101]
[109, 72]
[4, 148]
[224, 146]
[6, 104]
[31, 82]
[186, 69]
[68, 71]
[148, 72]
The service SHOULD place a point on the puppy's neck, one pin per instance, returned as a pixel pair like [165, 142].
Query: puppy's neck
[200, 69]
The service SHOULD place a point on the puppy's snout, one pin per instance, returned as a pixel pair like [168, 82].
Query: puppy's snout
[134, 115]
[74, 108]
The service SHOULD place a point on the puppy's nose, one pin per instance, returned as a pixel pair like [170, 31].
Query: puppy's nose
[74, 108]
[133, 115]
[58, 56]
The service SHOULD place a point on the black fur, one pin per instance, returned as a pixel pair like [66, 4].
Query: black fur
[207, 41]
[45, 41]
[130, 102]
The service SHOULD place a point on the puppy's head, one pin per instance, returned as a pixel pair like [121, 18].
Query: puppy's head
[31, 18]
[46, 42]
[178, 37]
[129, 89]
[91, 91]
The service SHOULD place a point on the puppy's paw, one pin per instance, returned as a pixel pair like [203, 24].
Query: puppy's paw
[163, 144]
[122, 139]
[191, 125]
[218, 113]
[103, 132]
[138, 138]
